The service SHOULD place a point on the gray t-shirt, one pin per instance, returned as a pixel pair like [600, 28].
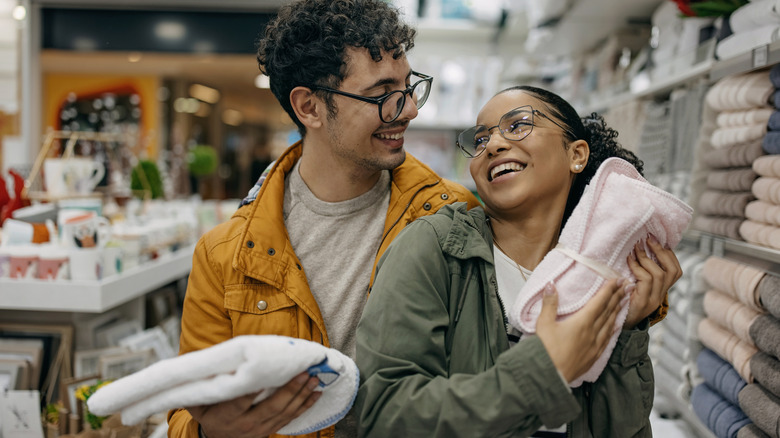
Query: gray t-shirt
[337, 243]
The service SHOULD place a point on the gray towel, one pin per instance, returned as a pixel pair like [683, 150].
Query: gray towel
[765, 332]
[766, 371]
[769, 291]
[762, 407]
[751, 431]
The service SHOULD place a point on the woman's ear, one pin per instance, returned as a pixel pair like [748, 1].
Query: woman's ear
[307, 107]
[579, 151]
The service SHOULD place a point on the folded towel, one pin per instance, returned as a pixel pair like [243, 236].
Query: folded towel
[755, 14]
[767, 165]
[743, 42]
[732, 180]
[767, 189]
[771, 142]
[775, 99]
[762, 407]
[763, 212]
[751, 431]
[766, 371]
[753, 116]
[594, 233]
[720, 416]
[730, 314]
[715, 203]
[721, 226]
[720, 375]
[741, 155]
[237, 367]
[760, 234]
[769, 294]
[728, 346]
[736, 279]
[765, 332]
[732, 135]
[774, 74]
[773, 124]
[741, 92]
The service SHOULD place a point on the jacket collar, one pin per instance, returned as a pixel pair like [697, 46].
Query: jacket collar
[469, 235]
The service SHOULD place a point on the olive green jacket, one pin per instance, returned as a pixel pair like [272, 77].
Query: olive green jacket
[435, 360]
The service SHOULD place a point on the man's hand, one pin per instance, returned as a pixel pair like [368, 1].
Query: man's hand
[576, 342]
[653, 280]
[239, 418]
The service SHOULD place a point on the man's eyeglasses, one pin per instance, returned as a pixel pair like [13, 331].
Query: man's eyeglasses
[392, 104]
[514, 125]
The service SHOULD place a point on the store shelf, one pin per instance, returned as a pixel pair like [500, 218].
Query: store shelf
[95, 296]
[758, 57]
[765, 259]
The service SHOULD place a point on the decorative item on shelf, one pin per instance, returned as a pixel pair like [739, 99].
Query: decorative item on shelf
[708, 8]
[83, 393]
[202, 160]
[145, 180]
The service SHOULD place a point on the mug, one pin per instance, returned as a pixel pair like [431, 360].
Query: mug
[85, 231]
[86, 264]
[53, 263]
[5, 262]
[72, 175]
[23, 261]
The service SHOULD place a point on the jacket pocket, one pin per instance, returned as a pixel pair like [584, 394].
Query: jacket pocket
[260, 309]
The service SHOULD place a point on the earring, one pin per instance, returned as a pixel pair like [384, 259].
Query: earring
[578, 167]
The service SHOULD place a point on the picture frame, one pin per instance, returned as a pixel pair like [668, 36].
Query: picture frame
[86, 362]
[110, 334]
[10, 375]
[117, 366]
[57, 352]
[25, 350]
[153, 338]
[68, 389]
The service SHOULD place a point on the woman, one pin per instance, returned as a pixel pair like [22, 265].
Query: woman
[433, 346]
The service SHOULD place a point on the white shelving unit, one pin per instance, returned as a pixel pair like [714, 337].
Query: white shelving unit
[95, 296]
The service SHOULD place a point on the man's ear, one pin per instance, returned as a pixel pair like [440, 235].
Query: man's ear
[309, 109]
[579, 151]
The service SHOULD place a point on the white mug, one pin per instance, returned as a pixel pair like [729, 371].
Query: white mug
[86, 264]
[72, 175]
[85, 231]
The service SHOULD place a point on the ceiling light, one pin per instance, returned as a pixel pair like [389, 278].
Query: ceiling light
[204, 93]
[232, 117]
[19, 12]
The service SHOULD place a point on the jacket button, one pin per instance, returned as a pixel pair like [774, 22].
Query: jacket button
[271, 251]
[262, 305]
[250, 244]
[427, 206]
[298, 265]
[445, 196]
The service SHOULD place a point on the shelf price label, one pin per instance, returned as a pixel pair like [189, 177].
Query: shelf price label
[761, 56]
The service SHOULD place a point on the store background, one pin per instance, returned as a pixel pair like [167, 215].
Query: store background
[166, 81]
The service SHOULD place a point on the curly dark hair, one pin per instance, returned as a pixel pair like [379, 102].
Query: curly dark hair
[305, 44]
[593, 129]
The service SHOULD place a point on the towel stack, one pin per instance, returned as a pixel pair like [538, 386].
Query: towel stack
[762, 226]
[754, 24]
[740, 365]
[733, 127]
[674, 342]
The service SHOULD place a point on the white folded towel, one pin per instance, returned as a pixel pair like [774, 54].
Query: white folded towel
[231, 369]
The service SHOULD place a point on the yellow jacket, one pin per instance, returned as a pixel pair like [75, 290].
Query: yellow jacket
[246, 278]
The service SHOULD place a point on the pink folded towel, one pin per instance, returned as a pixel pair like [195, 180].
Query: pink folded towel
[760, 234]
[763, 212]
[736, 279]
[767, 189]
[595, 244]
[767, 165]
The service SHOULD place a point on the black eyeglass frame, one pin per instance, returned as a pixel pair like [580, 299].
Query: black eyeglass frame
[533, 112]
[379, 101]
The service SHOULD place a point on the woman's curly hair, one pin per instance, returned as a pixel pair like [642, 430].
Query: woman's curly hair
[305, 44]
[593, 129]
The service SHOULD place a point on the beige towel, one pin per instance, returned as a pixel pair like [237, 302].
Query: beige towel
[728, 346]
[730, 313]
[731, 180]
[767, 189]
[720, 226]
[767, 165]
[741, 92]
[759, 234]
[752, 116]
[763, 212]
[733, 135]
[741, 155]
[736, 279]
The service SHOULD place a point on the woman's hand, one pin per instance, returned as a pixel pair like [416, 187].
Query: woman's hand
[653, 280]
[576, 342]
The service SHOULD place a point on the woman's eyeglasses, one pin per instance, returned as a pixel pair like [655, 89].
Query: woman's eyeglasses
[514, 125]
[392, 104]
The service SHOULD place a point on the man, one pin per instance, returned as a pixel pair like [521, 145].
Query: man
[299, 258]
